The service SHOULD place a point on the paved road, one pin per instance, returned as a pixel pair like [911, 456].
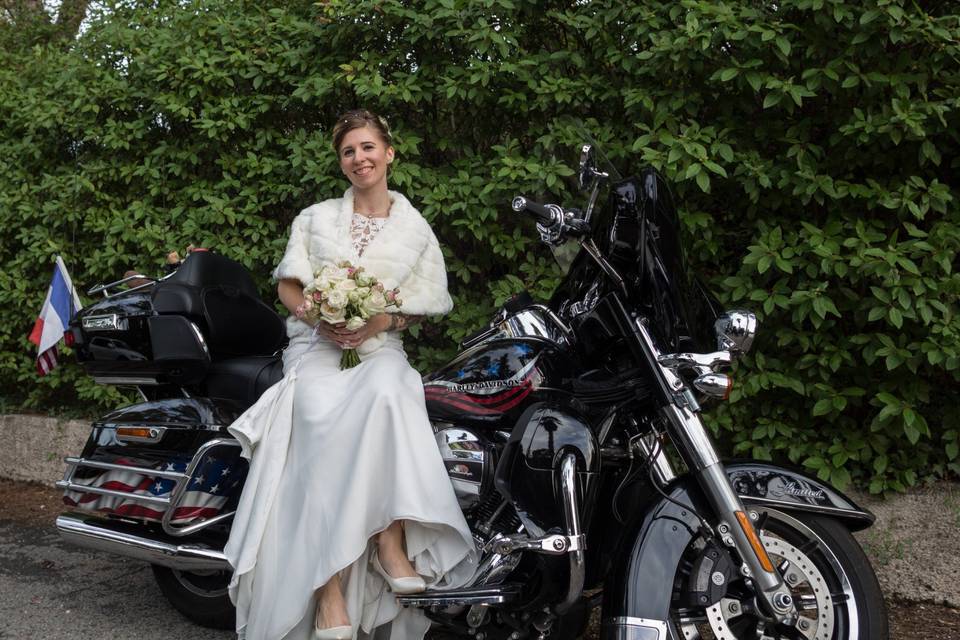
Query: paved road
[53, 591]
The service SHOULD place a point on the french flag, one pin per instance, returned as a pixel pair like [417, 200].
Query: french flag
[61, 303]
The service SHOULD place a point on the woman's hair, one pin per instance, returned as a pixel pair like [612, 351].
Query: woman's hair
[357, 119]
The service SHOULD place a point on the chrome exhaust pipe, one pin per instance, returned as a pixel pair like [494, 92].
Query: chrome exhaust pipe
[101, 534]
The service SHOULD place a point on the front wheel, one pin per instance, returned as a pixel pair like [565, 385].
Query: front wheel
[833, 585]
[201, 596]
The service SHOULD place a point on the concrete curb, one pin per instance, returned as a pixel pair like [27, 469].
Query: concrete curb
[36, 445]
[912, 546]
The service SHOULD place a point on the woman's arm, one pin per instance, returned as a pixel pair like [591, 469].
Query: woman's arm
[290, 291]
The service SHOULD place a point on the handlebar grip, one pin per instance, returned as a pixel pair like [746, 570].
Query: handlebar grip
[544, 214]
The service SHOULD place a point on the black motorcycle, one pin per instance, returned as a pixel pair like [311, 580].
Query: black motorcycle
[571, 432]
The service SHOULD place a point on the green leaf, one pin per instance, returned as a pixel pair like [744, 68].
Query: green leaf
[912, 433]
[728, 74]
[783, 44]
[703, 181]
[823, 407]
[772, 99]
[895, 317]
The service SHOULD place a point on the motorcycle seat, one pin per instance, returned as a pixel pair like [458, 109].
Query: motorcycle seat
[243, 379]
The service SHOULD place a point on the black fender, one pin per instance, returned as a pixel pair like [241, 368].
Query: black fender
[763, 484]
[637, 594]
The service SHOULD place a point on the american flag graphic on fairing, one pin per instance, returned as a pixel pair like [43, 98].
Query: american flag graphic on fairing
[216, 481]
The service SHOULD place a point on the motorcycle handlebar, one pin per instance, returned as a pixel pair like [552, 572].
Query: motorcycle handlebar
[545, 214]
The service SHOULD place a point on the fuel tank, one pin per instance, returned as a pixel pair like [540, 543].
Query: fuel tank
[491, 384]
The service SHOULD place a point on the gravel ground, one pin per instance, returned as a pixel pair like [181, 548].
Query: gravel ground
[52, 591]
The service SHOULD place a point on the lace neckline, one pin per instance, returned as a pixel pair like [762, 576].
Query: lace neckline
[363, 229]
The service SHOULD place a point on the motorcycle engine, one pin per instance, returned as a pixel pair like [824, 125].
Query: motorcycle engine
[470, 461]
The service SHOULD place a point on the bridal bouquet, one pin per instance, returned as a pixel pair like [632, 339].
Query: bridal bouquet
[345, 293]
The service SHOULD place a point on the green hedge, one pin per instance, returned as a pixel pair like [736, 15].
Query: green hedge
[812, 145]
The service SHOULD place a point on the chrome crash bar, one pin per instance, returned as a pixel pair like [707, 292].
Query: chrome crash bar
[170, 503]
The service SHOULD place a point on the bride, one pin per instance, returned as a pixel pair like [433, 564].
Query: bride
[347, 500]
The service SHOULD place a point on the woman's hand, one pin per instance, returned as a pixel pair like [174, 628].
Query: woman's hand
[352, 339]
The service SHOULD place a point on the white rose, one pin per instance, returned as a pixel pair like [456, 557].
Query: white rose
[375, 303]
[345, 285]
[365, 280]
[331, 314]
[355, 323]
[332, 275]
[337, 298]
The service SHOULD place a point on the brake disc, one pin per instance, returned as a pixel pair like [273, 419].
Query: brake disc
[810, 592]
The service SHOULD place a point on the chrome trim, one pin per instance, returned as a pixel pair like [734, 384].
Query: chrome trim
[126, 380]
[716, 385]
[203, 343]
[535, 321]
[571, 514]
[103, 535]
[801, 506]
[662, 469]
[111, 466]
[553, 545]
[700, 362]
[105, 322]
[659, 627]
[179, 491]
[464, 456]
[106, 287]
[691, 437]
[491, 595]
[669, 382]
[67, 485]
[495, 566]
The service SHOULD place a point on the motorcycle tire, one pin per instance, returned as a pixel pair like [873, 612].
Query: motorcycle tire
[199, 596]
[827, 573]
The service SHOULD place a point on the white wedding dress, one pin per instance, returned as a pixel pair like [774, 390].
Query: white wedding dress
[335, 457]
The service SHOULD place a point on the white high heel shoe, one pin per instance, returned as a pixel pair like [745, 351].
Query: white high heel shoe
[343, 632]
[400, 586]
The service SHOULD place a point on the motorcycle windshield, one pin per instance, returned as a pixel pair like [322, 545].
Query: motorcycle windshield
[636, 226]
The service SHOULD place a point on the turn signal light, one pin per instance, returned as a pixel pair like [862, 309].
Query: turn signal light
[755, 541]
[68, 338]
[718, 385]
[136, 432]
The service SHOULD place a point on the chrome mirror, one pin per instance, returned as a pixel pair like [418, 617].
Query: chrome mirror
[735, 331]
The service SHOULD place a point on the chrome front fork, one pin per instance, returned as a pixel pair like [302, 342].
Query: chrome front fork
[735, 526]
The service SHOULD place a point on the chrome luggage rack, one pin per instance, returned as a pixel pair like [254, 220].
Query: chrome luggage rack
[105, 288]
[170, 503]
